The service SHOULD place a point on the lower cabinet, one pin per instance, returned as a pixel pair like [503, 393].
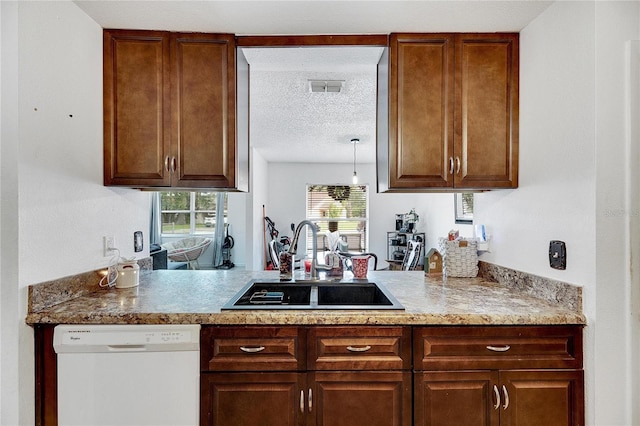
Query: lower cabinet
[367, 398]
[374, 375]
[518, 397]
[357, 376]
[517, 376]
[255, 398]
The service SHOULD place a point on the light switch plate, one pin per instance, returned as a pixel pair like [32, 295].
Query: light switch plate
[137, 241]
[557, 254]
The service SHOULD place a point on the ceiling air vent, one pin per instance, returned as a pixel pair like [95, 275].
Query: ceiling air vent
[325, 86]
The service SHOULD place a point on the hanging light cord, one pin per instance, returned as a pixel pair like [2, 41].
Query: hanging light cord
[355, 176]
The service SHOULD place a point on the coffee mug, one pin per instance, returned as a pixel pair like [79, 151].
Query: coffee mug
[360, 266]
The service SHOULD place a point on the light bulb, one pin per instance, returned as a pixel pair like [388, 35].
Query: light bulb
[355, 178]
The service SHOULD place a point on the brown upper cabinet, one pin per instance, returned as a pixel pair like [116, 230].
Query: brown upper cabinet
[170, 116]
[453, 113]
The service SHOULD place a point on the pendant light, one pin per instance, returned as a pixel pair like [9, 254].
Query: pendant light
[355, 175]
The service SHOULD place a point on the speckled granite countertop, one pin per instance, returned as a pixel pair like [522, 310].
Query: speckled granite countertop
[181, 297]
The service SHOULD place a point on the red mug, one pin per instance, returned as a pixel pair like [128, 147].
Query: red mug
[360, 266]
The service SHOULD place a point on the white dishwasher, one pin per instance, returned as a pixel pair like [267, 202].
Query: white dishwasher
[128, 374]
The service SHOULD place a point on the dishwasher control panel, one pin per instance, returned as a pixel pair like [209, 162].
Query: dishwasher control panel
[84, 338]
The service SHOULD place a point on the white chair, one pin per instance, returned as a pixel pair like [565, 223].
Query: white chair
[412, 256]
[187, 250]
[274, 255]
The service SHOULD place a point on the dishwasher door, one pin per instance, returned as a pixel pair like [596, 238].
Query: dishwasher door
[128, 374]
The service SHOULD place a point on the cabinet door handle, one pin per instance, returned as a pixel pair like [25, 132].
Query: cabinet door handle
[173, 164]
[252, 350]
[506, 398]
[497, 393]
[457, 165]
[310, 399]
[302, 401]
[358, 348]
[166, 163]
[450, 165]
[499, 348]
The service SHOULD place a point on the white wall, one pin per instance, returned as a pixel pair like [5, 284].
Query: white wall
[10, 306]
[556, 198]
[287, 202]
[258, 197]
[52, 144]
[616, 197]
[576, 186]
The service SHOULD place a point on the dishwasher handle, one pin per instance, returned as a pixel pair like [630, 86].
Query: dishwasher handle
[127, 348]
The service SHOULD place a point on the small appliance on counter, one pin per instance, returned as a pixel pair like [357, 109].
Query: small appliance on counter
[128, 273]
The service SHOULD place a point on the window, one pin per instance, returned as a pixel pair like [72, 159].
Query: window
[464, 207]
[339, 208]
[189, 212]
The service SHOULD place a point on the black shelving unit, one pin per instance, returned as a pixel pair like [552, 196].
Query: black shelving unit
[397, 244]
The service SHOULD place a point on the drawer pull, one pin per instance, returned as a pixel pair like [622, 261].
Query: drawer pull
[497, 392]
[499, 348]
[252, 350]
[358, 348]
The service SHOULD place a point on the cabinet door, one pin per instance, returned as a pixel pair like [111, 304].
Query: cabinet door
[550, 398]
[252, 399]
[486, 123]
[421, 108]
[203, 110]
[364, 398]
[136, 110]
[454, 398]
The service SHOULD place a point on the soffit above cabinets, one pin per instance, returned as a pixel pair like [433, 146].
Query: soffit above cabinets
[315, 17]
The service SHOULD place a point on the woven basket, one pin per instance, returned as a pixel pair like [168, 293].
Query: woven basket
[459, 257]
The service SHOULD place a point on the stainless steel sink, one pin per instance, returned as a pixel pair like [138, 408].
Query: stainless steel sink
[270, 295]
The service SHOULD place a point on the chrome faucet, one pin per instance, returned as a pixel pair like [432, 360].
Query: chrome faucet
[293, 248]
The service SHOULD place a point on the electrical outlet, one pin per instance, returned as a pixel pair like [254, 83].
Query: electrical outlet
[108, 244]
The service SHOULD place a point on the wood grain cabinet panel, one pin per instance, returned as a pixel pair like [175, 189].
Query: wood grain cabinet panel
[359, 348]
[252, 399]
[529, 375]
[499, 347]
[360, 398]
[252, 349]
[453, 398]
[453, 111]
[487, 114]
[203, 108]
[169, 110]
[263, 369]
[137, 131]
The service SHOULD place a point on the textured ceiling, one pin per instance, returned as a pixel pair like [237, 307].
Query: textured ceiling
[291, 124]
[287, 122]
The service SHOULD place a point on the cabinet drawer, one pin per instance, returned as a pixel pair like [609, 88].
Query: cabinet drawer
[359, 348]
[447, 348]
[252, 349]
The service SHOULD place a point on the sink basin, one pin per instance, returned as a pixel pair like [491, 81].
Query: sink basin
[271, 295]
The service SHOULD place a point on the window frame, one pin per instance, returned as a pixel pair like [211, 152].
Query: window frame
[462, 215]
[192, 212]
[315, 219]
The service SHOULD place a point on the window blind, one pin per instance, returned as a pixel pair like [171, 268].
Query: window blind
[340, 208]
